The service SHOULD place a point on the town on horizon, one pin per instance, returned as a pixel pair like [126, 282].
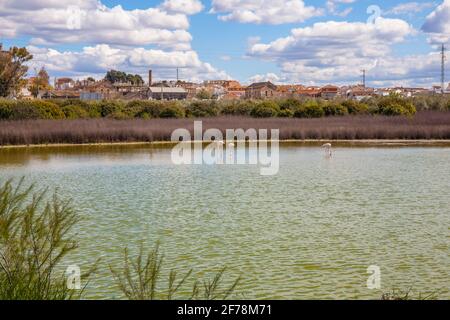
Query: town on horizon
[133, 87]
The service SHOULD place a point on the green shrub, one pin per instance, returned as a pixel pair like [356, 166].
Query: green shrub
[140, 278]
[202, 109]
[265, 109]
[311, 109]
[290, 104]
[109, 108]
[73, 111]
[172, 110]
[238, 108]
[286, 113]
[36, 109]
[136, 108]
[355, 107]
[396, 106]
[335, 109]
[6, 109]
[34, 239]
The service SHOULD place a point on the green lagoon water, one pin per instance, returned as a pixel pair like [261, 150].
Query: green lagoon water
[309, 232]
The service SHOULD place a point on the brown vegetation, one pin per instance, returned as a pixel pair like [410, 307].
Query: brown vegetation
[425, 125]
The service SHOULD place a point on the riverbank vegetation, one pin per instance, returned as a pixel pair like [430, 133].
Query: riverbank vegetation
[285, 108]
[36, 236]
[425, 125]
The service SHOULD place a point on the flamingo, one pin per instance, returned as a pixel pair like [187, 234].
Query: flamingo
[327, 147]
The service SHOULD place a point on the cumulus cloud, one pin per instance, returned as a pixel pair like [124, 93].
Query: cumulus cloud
[272, 77]
[96, 60]
[264, 11]
[89, 21]
[189, 7]
[336, 40]
[338, 51]
[437, 23]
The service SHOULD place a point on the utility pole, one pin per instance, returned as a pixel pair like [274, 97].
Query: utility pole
[364, 77]
[443, 69]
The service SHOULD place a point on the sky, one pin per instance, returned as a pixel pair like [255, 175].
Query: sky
[283, 41]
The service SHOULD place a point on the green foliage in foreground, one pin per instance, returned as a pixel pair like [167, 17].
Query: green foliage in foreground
[35, 236]
[140, 279]
[146, 109]
[400, 295]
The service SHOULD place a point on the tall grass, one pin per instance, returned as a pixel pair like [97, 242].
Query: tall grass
[425, 125]
[140, 279]
[404, 295]
[34, 238]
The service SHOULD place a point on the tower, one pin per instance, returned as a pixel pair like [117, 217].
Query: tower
[364, 77]
[150, 79]
[442, 68]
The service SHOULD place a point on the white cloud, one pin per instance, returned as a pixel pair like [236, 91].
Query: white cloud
[264, 11]
[332, 7]
[98, 59]
[409, 7]
[89, 21]
[189, 7]
[272, 77]
[437, 23]
[336, 40]
[337, 52]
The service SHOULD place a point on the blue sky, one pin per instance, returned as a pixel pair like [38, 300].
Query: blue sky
[294, 41]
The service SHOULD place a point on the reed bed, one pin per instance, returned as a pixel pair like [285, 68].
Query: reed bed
[424, 125]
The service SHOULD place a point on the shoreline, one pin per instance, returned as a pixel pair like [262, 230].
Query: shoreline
[306, 142]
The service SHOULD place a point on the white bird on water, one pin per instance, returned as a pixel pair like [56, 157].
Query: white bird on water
[328, 151]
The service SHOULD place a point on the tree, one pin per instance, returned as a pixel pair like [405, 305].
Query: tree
[40, 82]
[13, 69]
[204, 95]
[115, 76]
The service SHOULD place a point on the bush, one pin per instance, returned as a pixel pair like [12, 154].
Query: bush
[286, 113]
[290, 104]
[109, 108]
[172, 110]
[34, 238]
[36, 110]
[73, 111]
[238, 108]
[202, 109]
[265, 109]
[396, 106]
[335, 109]
[355, 107]
[140, 279]
[311, 109]
[6, 109]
